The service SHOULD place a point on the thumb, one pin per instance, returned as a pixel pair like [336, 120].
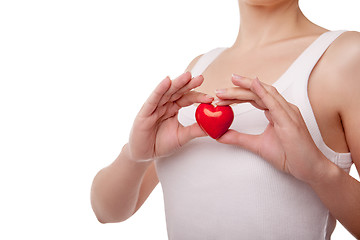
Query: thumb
[247, 141]
[190, 132]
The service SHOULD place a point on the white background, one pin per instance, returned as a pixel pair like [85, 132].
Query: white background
[73, 75]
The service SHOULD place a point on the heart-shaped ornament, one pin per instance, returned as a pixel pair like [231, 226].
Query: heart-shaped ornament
[215, 121]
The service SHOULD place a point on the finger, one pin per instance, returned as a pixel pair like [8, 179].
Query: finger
[268, 116]
[282, 101]
[296, 114]
[188, 133]
[193, 83]
[170, 109]
[247, 83]
[247, 141]
[261, 107]
[153, 100]
[241, 81]
[176, 84]
[238, 95]
[235, 93]
[220, 102]
[285, 104]
[193, 97]
[278, 114]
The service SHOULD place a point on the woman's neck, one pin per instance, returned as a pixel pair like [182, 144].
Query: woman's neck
[261, 25]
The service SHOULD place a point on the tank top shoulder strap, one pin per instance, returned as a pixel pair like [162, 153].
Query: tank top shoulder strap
[309, 58]
[298, 90]
[301, 68]
[205, 60]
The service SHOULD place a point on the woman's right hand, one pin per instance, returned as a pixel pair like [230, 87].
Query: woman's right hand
[156, 131]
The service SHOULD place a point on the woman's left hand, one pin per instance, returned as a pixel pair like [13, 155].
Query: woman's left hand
[286, 142]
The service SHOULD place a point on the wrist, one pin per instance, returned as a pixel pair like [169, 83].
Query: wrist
[128, 156]
[328, 172]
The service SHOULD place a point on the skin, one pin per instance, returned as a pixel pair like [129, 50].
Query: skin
[270, 30]
[336, 117]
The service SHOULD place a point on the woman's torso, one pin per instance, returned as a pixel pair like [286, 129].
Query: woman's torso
[217, 191]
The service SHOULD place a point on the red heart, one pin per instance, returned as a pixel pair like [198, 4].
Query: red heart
[215, 121]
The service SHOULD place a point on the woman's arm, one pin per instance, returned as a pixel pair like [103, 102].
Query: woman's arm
[339, 191]
[117, 190]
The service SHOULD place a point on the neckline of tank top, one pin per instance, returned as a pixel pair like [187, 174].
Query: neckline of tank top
[282, 82]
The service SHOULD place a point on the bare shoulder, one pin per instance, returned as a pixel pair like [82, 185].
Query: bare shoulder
[348, 40]
[344, 53]
[339, 67]
[346, 61]
[192, 63]
[344, 65]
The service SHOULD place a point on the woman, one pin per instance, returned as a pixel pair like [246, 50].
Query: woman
[281, 171]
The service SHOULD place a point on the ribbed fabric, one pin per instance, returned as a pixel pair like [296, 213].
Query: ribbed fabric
[215, 191]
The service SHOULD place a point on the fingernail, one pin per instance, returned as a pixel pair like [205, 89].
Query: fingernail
[216, 101]
[220, 91]
[237, 77]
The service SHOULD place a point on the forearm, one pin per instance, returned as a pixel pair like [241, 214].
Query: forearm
[341, 195]
[115, 189]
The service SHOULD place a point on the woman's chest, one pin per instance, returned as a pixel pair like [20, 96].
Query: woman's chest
[269, 69]
[218, 74]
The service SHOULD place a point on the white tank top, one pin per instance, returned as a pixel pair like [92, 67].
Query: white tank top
[215, 191]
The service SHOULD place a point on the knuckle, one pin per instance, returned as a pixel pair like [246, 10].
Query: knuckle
[252, 83]
[174, 97]
[296, 108]
[272, 90]
[296, 124]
